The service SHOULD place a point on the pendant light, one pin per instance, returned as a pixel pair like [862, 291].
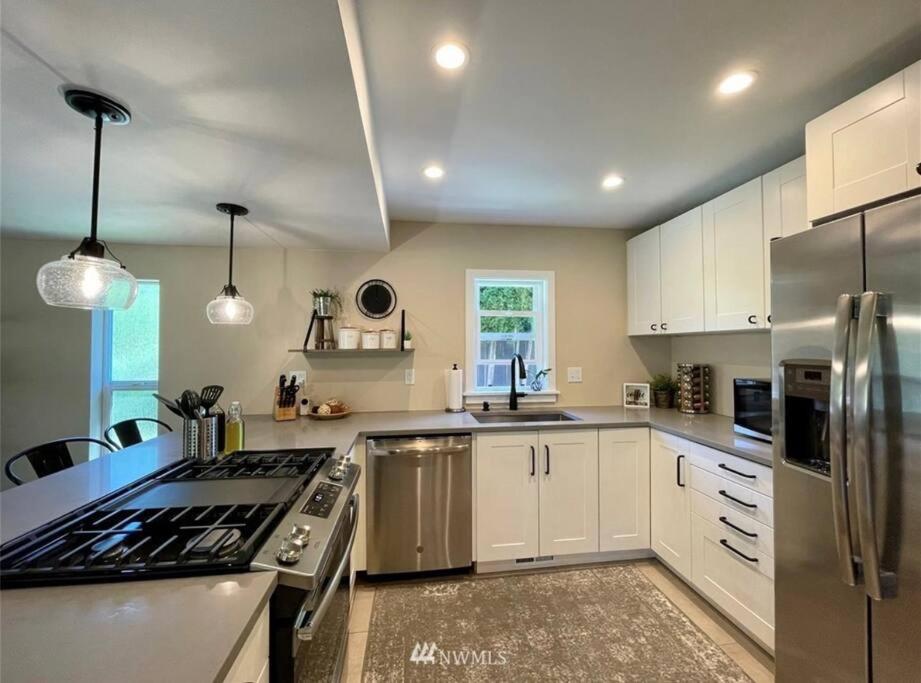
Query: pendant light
[229, 307]
[84, 278]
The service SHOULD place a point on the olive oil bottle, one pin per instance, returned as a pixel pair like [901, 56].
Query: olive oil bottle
[234, 429]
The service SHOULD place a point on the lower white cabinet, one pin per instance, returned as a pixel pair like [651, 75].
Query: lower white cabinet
[670, 500]
[252, 663]
[536, 494]
[623, 489]
[507, 496]
[736, 576]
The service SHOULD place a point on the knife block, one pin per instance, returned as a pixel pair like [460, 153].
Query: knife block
[283, 414]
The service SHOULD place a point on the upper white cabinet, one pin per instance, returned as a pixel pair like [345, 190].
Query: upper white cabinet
[644, 303]
[507, 496]
[867, 148]
[670, 500]
[682, 273]
[734, 259]
[783, 193]
[569, 491]
[623, 489]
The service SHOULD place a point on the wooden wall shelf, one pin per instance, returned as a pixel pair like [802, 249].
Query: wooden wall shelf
[352, 353]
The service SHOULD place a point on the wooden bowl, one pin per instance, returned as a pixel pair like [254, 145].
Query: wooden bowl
[331, 416]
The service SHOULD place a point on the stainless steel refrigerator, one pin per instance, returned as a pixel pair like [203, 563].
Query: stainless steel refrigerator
[846, 346]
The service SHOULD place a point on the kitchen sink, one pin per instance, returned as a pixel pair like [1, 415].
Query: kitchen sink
[524, 416]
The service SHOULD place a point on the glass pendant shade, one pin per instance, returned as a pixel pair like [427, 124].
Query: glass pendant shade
[229, 308]
[88, 282]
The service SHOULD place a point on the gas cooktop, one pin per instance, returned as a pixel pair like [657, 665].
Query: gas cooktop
[192, 518]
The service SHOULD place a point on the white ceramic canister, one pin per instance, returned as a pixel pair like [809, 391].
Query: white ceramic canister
[388, 339]
[370, 339]
[348, 337]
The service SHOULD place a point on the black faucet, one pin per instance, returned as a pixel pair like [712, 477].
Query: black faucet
[514, 394]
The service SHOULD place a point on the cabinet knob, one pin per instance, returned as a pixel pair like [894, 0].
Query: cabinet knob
[752, 320]
[653, 327]
[664, 327]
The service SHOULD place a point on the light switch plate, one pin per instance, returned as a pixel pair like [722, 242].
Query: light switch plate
[300, 376]
[574, 375]
[409, 376]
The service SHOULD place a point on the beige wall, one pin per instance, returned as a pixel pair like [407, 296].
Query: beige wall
[48, 347]
[743, 354]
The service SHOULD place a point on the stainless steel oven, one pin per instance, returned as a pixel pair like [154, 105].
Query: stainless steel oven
[751, 400]
[309, 628]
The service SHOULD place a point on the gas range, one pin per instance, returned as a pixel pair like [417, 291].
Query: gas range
[195, 518]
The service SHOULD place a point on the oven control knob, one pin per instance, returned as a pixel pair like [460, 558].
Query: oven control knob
[300, 532]
[339, 470]
[290, 551]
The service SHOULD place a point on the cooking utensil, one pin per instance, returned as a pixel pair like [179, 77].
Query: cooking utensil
[209, 396]
[190, 402]
[170, 405]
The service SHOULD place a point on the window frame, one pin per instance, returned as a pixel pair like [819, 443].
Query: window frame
[102, 386]
[545, 321]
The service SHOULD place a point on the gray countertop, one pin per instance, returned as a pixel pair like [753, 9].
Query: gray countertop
[192, 629]
[711, 430]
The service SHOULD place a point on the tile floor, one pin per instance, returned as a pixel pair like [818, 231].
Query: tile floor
[753, 660]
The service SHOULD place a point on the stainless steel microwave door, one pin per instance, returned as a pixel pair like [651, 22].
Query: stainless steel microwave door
[893, 267]
[820, 621]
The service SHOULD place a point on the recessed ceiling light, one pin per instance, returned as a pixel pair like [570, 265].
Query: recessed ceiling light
[450, 56]
[433, 172]
[612, 181]
[737, 82]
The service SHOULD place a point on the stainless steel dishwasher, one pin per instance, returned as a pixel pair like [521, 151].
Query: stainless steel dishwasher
[419, 503]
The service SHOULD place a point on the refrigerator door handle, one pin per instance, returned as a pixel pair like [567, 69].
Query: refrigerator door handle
[872, 305]
[837, 411]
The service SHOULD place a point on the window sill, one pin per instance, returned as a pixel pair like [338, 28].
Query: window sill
[545, 396]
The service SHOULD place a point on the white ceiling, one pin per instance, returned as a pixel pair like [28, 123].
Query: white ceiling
[232, 100]
[560, 92]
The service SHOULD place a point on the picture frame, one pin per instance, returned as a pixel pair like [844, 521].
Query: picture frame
[636, 395]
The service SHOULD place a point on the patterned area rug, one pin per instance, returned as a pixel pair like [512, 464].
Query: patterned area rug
[598, 624]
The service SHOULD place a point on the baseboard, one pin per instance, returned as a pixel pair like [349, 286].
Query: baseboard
[560, 561]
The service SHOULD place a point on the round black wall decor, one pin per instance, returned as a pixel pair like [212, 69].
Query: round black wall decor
[376, 299]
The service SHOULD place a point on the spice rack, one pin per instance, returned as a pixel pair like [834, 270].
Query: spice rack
[693, 388]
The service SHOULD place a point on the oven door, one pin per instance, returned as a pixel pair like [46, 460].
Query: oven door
[310, 629]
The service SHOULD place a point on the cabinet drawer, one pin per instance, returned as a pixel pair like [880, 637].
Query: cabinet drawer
[749, 534]
[735, 497]
[743, 588]
[738, 470]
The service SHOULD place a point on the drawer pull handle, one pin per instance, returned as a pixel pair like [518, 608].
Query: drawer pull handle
[750, 506]
[740, 554]
[736, 472]
[741, 531]
[678, 471]
[533, 461]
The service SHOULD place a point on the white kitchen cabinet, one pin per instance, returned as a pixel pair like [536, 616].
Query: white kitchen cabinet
[569, 491]
[682, 273]
[783, 193]
[867, 148]
[252, 662]
[644, 302]
[507, 496]
[623, 489]
[670, 500]
[736, 577]
[734, 259]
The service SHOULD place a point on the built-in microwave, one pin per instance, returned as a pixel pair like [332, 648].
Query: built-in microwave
[752, 407]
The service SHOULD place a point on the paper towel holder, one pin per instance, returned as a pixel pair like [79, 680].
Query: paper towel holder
[461, 409]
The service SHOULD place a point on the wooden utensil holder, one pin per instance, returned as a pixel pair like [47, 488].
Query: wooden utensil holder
[283, 414]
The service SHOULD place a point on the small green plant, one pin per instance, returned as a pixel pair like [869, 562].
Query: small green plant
[663, 382]
[407, 335]
[537, 382]
[328, 293]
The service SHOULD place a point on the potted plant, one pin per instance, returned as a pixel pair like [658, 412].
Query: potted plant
[537, 382]
[663, 389]
[407, 339]
[325, 302]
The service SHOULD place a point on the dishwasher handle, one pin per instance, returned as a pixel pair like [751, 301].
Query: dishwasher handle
[419, 452]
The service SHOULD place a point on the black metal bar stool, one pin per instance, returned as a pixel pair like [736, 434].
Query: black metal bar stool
[127, 433]
[50, 457]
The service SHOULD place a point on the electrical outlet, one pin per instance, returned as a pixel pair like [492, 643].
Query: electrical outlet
[300, 376]
[574, 375]
[409, 376]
